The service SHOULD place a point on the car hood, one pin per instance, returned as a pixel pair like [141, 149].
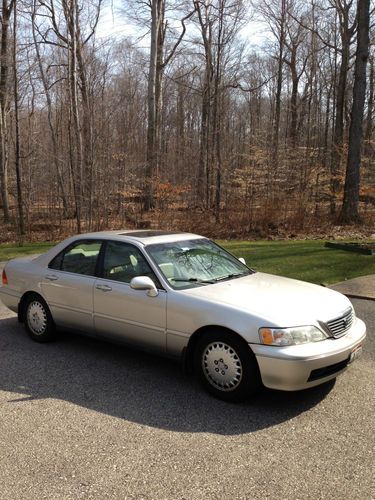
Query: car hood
[281, 301]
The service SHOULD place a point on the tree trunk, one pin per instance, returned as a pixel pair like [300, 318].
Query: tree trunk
[87, 136]
[293, 108]
[349, 211]
[346, 33]
[55, 152]
[4, 70]
[370, 105]
[204, 177]
[17, 155]
[153, 99]
[276, 130]
[77, 152]
[338, 133]
[180, 129]
[217, 112]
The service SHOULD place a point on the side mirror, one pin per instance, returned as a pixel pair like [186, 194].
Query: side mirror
[144, 283]
[241, 259]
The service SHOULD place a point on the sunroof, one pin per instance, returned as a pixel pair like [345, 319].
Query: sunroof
[147, 234]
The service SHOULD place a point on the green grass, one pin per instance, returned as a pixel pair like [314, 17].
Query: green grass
[306, 260]
[11, 251]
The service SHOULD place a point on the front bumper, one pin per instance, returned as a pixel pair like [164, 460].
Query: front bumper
[298, 367]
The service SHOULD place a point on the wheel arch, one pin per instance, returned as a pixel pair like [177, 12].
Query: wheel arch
[188, 354]
[22, 302]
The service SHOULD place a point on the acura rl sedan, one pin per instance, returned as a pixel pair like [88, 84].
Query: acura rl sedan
[183, 296]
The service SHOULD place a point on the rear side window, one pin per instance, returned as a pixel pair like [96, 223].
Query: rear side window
[79, 258]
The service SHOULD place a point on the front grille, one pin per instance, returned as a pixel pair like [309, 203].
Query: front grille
[341, 325]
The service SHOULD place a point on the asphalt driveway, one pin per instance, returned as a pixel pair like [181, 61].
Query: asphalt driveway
[84, 419]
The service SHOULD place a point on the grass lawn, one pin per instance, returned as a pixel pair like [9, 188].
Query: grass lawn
[306, 260]
[11, 251]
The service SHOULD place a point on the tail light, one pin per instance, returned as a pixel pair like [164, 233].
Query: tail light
[4, 278]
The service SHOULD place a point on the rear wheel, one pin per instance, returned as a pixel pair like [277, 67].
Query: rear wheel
[38, 320]
[226, 366]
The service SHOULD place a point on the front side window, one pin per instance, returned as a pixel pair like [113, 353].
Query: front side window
[79, 258]
[123, 262]
[190, 263]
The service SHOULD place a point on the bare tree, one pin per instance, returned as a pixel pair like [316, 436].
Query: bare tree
[7, 8]
[219, 23]
[46, 89]
[157, 64]
[280, 32]
[74, 41]
[210, 131]
[370, 102]
[349, 211]
[17, 155]
[346, 29]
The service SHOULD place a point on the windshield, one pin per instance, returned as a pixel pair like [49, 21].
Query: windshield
[191, 263]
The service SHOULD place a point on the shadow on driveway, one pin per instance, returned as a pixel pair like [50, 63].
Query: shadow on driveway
[134, 386]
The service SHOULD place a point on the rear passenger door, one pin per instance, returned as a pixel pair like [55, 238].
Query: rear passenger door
[68, 284]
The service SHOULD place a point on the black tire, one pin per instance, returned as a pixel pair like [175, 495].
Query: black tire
[226, 366]
[38, 320]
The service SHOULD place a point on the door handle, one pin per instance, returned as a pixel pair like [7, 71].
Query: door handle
[51, 277]
[103, 288]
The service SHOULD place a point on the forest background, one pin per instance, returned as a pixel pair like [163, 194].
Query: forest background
[188, 123]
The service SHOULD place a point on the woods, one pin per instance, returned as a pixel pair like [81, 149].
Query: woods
[195, 122]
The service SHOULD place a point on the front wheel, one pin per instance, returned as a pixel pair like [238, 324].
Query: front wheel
[226, 366]
[38, 320]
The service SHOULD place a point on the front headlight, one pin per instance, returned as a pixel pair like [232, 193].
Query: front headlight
[290, 336]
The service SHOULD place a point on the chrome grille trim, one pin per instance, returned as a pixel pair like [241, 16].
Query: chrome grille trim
[340, 325]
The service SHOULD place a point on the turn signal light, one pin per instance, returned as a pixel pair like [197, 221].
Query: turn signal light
[4, 278]
[266, 336]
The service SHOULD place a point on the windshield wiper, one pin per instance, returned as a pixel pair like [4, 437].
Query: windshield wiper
[212, 280]
[231, 276]
[193, 280]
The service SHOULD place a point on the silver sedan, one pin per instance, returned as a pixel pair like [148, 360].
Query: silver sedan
[183, 296]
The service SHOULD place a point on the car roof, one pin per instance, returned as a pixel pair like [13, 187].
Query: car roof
[142, 236]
